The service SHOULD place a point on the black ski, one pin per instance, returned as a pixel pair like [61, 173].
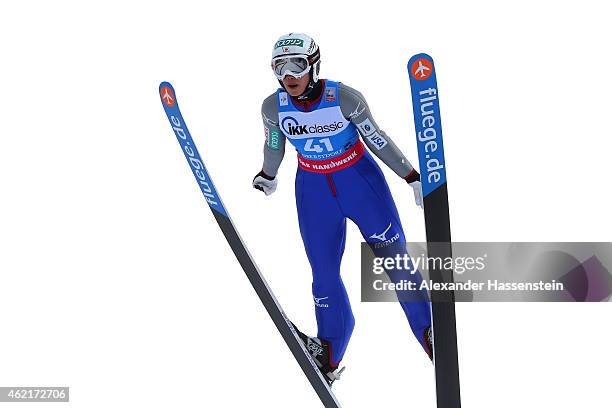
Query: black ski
[284, 326]
[437, 224]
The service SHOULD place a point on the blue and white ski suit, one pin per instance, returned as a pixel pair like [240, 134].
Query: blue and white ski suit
[337, 179]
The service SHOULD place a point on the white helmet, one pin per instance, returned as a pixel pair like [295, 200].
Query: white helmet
[296, 55]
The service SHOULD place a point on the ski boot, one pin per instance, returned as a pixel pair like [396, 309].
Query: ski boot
[320, 351]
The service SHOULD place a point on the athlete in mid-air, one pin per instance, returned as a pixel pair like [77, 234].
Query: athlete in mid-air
[328, 123]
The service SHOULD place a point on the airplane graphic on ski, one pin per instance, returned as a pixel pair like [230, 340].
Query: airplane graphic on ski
[167, 97]
[421, 70]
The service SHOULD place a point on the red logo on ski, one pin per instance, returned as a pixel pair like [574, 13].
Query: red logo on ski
[167, 96]
[421, 69]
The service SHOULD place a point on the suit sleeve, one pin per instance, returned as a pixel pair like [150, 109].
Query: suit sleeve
[355, 108]
[274, 146]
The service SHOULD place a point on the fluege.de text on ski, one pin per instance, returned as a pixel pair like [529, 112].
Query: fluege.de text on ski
[429, 135]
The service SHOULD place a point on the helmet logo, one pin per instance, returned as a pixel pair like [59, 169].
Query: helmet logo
[290, 42]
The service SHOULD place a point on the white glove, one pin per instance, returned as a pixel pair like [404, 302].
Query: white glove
[418, 192]
[265, 183]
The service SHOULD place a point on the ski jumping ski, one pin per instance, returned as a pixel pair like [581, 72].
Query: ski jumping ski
[428, 128]
[284, 326]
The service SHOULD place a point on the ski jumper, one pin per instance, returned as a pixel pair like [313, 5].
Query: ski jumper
[337, 179]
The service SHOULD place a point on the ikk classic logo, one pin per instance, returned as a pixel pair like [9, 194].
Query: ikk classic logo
[304, 125]
[291, 126]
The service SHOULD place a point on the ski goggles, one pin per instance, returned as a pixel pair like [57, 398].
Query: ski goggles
[296, 66]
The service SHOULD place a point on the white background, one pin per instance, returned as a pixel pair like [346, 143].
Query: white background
[116, 281]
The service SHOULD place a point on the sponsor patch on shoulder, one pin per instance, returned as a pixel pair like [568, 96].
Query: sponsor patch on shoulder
[377, 140]
[366, 127]
[282, 98]
[330, 94]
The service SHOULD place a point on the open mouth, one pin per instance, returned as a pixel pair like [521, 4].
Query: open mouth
[292, 86]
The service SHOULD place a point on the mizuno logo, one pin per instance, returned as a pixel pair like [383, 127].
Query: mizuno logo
[269, 121]
[383, 235]
[318, 302]
[357, 112]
